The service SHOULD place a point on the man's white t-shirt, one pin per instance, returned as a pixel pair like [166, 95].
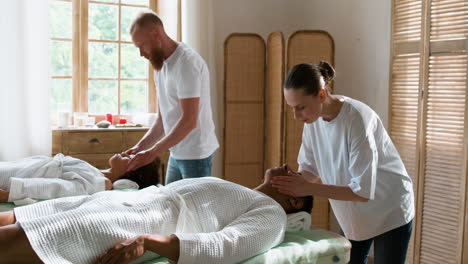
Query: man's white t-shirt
[355, 150]
[185, 75]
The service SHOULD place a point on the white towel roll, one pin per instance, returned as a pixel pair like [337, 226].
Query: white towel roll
[124, 184]
[299, 221]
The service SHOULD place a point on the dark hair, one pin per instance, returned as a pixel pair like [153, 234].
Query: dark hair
[145, 176]
[144, 19]
[308, 204]
[308, 77]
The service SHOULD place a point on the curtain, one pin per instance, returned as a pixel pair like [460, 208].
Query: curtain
[198, 28]
[197, 20]
[24, 84]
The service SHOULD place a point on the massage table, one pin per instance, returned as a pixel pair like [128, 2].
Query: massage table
[310, 246]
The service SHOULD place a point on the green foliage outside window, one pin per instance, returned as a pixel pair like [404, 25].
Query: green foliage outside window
[103, 59]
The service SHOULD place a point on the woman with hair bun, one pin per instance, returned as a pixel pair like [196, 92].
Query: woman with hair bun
[347, 156]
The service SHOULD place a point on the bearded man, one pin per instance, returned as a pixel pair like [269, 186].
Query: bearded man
[184, 124]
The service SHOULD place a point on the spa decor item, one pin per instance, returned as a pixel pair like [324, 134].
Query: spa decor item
[103, 124]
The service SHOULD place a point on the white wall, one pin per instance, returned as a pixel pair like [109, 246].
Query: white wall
[360, 29]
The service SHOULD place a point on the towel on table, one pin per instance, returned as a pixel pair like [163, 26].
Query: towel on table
[299, 221]
[24, 201]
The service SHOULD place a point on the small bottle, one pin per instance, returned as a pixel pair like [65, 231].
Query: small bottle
[109, 117]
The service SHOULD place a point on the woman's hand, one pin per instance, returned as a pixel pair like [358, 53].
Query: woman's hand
[294, 185]
[4, 196]
[124, 252]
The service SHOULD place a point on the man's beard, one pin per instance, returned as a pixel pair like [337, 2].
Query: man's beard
[157, 59]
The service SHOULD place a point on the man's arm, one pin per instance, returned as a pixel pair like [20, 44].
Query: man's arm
[186, 123]
[150, 138]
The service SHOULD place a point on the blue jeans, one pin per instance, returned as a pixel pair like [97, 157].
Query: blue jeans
[389, 247]
[178, 169]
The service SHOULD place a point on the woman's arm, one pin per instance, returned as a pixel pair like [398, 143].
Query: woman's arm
[335, 192]
[310, 177]
[299, 186]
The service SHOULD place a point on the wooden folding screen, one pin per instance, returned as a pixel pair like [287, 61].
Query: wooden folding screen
[274, 142]
[306, 47]
[244, 82]
[260, 132]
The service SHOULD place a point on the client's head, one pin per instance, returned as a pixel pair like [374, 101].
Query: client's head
[144, 176]
[289, 203]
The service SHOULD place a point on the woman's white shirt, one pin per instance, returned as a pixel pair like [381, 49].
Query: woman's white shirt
[355, 150]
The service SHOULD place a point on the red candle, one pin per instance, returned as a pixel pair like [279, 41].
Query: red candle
[109, 117]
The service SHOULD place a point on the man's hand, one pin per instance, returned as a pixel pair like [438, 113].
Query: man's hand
[124, 252]
[294, 184]
[4, 196]
[132, 151]
[142, 158]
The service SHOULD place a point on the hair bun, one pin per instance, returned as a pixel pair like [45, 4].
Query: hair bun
[327, 71]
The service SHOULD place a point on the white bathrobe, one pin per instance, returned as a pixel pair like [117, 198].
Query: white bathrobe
[42, 177]
[216, 221]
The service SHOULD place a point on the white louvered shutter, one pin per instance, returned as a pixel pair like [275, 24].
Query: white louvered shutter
[443, 204]
[428, 106]
[405, 87]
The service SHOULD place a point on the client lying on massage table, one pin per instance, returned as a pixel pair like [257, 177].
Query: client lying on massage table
[200, 220]
[42, 177]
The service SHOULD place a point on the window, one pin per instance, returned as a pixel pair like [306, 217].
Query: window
[95, 66]
[117, 75]
[428, 105]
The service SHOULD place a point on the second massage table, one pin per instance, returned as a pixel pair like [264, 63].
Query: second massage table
[315, 246]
